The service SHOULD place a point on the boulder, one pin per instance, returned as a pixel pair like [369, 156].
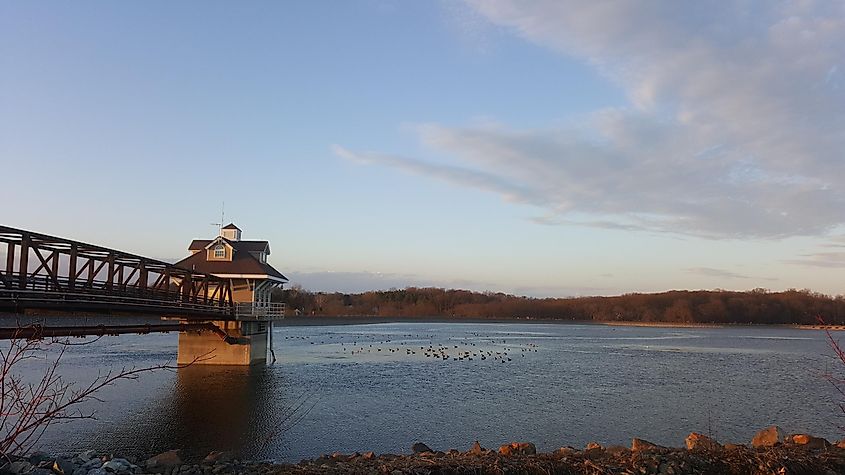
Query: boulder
[39, 457]
[87, 455]
[171, 458]
[841, 444]
[63, 467]
[217, 457]
[518, 448]
[116, 465]
[696, 441]
[97, 471]
[80, 471]
[419, 448]
[642, 445]
[808, 441]
[368, 455]
[768, 437]
[40, 471]
[564, 451]
[617, 450]
[477, 449]
[92, 464]
[593, 446]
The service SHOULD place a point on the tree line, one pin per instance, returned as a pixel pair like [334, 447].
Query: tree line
[759, 306]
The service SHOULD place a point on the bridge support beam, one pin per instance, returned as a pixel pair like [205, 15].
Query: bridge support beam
[247, 345]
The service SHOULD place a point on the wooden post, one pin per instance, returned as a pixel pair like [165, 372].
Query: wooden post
[55, 256]
[110, 278]
[71, 267]
[23, 266]
[10, 262]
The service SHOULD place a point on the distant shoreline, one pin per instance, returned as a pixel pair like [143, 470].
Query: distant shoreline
[362, 320]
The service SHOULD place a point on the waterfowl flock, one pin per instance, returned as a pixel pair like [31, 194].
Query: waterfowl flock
[501, 348]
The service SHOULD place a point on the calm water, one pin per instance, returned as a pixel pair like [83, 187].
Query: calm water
[564, 385]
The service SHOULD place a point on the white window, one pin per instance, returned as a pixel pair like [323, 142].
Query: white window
[219, 251]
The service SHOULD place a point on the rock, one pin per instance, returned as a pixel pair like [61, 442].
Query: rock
[419, 448]
[518, 448]
[593, 446]
[97, 471]
[734, 447]
[841, 444]
[565, 451]
[217, 457]
[617, 450]
[40, 471]
[87, 455]
[696, 441]
[117, 465]
[808, 441]
[92, 464]
[477, 449]
[168, 459]
[20, 466]
[80, 471]
[63, 467]
[642, 445]
[368, 455]
[768, 437]
[39, 457]
[453, 452]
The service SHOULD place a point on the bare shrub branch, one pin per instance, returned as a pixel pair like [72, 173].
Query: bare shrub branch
[28, 408]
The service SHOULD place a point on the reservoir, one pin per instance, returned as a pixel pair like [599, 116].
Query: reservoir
[384, 386]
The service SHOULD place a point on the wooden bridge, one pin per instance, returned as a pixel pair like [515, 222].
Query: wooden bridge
[51, 274]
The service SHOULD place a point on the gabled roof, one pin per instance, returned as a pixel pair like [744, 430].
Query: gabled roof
[248, 246]
[242, 263]
[232, 226]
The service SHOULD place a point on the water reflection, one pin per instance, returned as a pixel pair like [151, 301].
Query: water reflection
[208, 408]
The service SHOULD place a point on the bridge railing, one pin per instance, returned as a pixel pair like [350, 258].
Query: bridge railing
[58, 269]
[39, 285]
[259, 311]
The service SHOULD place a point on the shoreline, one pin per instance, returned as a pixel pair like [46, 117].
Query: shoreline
[372, 320]
[771, 451]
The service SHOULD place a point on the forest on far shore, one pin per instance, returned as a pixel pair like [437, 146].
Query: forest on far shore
[758, 306]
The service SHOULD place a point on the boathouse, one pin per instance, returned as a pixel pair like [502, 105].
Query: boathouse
[252, 280]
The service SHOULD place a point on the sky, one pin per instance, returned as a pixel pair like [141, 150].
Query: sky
[541, 148]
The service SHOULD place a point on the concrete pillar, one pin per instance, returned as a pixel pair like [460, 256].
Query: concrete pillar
[207, 348]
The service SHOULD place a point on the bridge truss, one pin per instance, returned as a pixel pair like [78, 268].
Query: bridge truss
[48, 272]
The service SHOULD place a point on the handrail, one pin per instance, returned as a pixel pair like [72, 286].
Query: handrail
[259, 311]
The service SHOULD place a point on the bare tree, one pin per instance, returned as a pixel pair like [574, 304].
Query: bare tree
[28, 406]
[837, 381]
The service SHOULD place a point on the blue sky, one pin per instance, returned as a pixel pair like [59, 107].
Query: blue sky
[547, 148]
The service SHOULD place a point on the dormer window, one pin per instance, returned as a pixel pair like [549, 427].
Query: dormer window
[219, 251]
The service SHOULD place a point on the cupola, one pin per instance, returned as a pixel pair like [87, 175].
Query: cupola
[231, 232]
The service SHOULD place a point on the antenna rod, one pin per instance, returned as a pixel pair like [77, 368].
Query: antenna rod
[222, 216]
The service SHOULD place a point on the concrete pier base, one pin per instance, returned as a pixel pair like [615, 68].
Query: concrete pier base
[208, 348]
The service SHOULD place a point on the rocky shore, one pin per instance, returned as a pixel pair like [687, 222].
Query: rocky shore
[770, 452]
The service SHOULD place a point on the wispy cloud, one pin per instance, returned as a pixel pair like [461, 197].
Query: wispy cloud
[712, 272]
[735, 125]
[820, 259]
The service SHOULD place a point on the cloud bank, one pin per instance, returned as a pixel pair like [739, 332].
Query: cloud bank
[735, 126]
